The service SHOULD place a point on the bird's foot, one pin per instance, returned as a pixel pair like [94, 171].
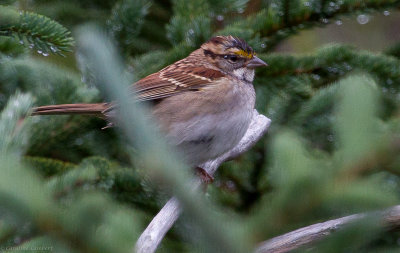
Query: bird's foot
[204, 176]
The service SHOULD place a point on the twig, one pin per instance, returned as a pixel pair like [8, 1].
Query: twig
[311, 234]
[165, 219]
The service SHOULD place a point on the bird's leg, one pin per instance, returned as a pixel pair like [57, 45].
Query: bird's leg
[204, 176]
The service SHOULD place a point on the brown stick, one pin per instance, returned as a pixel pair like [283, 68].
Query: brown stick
[165, 219]
[311, 234]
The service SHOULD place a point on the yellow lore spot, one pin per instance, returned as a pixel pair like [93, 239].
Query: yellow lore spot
[244, 54]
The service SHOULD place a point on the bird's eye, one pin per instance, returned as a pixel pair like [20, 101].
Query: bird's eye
[233, 58]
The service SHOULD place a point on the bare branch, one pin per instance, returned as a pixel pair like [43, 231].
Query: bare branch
[165, 219]
[311, 234]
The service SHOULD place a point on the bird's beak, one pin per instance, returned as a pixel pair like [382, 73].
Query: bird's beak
[256, 62]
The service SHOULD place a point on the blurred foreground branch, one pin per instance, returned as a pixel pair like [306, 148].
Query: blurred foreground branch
[164, 220]
[311, 234]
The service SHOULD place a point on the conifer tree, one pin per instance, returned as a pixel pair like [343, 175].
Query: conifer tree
[66, 185]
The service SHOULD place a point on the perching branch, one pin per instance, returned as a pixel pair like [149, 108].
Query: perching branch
[165, 219]
[311, 234]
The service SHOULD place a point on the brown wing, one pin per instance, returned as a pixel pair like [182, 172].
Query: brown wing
[172, 80]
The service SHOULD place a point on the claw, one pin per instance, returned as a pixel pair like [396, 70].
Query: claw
[109, 125]
[204, 176]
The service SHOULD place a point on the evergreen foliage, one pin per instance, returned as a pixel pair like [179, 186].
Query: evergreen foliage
[39, 32]
[64, 183]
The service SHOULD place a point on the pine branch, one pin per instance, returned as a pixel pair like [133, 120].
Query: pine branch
[35, 31]
[333, 59]
[394, 51]
[26, 199]
[93, 173]
[190, 24]
[51, 84]
[279, 21]
[304, 74]
[12, 123]
[263, 30]
[292, 93]
[344, 172]
[10, 47]
[126, 21]
[47, 166]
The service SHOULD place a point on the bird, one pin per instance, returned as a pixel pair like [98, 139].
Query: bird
[203, 103]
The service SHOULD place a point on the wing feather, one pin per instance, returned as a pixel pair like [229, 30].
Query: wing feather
[173, 80]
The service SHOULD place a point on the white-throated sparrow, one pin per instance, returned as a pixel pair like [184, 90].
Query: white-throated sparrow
[203, 103]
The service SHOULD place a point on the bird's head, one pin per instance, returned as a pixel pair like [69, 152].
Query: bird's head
[233, 56]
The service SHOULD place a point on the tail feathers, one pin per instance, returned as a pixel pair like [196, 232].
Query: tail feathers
[87, 109]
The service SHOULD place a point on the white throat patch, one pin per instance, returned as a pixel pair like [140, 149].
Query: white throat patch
[244, 74]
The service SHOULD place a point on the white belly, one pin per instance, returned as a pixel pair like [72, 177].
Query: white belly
[220, 134]
[203, 135]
